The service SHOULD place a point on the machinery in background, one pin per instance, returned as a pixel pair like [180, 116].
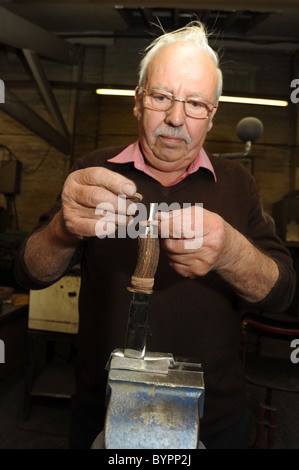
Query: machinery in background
[286, 215]
[249, 130]
[10, 176]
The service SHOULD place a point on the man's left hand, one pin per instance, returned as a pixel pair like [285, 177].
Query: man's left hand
[194, 240]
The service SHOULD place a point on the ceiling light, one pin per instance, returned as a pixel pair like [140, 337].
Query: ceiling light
[115, 92]
[225, 99]
[242, 100]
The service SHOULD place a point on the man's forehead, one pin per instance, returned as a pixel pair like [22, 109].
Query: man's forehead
[179, 55]
[171, 51]
[180, 63]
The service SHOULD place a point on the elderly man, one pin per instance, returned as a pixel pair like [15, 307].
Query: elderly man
[194, 308]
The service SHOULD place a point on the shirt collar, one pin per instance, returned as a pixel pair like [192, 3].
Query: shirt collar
[133, 154]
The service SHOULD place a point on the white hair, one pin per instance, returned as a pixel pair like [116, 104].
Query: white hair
[194, 32]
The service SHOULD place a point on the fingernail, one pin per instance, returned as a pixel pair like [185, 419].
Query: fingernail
[128, 189]
[137, 197]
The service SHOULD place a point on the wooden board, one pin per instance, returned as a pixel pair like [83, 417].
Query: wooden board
[56, 307]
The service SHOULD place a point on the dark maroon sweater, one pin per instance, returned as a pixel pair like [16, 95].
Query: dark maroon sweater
[196, 318]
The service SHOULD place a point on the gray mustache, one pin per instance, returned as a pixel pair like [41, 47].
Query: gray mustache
[173, 132]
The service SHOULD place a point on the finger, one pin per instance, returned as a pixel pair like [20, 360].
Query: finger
[82, 220]
[182, 246]
[169, 224]
[104, 228]
[99, 199]
[182, 224]
[91, 196]
[117, 219]
[82, 226]
[107, 225]
[112, 181]
[92, 226]
[183, 270]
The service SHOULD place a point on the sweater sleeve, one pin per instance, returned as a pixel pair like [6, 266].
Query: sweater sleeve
[262, 234]
[22, 275]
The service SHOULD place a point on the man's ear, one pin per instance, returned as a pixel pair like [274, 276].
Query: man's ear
[210, 125]
[136, 109]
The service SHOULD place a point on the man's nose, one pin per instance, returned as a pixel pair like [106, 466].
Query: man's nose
[175, 116]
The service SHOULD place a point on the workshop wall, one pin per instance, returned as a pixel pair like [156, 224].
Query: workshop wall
[43, 167]
[108, 121]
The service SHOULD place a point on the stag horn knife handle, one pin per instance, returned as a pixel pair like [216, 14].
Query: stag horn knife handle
[147, 261]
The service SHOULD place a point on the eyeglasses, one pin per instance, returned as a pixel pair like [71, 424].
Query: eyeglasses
[163, 101]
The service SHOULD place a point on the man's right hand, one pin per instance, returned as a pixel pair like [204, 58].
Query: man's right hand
[89, 197]
[94, 197]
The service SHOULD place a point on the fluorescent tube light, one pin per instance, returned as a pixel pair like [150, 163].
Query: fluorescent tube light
[242, 100]
[225, 99]
[115, 92]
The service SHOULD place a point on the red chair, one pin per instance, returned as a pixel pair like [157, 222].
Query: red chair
[269, 372]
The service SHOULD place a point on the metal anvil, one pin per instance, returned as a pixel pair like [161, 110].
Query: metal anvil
[154, 402]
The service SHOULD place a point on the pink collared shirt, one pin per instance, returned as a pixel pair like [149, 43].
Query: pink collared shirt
[133, 153]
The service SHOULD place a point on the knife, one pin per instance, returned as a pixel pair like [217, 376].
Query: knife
[142, 283]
